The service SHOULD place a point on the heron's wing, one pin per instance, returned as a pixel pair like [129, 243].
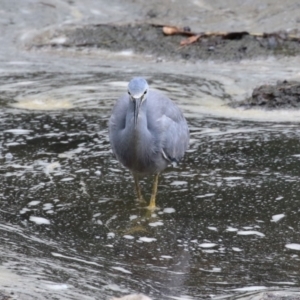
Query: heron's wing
[173, 128]
[175, 137]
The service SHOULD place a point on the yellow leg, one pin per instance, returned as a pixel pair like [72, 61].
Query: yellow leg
[152, 205]
[138, 188]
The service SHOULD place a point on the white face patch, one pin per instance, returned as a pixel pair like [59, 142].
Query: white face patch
[136, 96]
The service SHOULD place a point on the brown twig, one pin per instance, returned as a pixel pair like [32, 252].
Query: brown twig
[235, 35]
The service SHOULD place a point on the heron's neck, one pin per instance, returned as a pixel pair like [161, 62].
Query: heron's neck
[138, 131]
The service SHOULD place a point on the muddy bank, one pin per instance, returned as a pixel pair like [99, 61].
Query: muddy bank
[149, 39]
[284, 94]
[5, 296]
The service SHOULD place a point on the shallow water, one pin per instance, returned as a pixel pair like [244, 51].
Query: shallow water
[228, 221]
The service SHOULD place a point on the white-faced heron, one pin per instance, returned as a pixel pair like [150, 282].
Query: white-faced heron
[147, 131]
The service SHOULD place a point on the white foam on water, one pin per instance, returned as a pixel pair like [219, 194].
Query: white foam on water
[212, 228]
[82, 171]
[277, 218]
[205, 195]
[128, 52]
[177, 182]
[57, 287]
[169, 210]
[67, 179]
[33, 203]
[213, 270]
[18, 131]
[250, 232]
[50, 167]
[128, 237]
[231, 229]
[43, 103]
[39, 220]
[59, 40]
[282, 282]
[236, 249]
[233, 178]
[147, 239]
[293, 246]
[207, 245]
[250, 289]
[155, 224]
[111, 235]
[116, 288]
[121, 270]
[55, 254]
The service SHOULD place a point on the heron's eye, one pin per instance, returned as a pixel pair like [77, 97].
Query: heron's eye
[128, 93]
[145, 92]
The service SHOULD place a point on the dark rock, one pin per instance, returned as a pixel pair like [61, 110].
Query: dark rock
[285, 94]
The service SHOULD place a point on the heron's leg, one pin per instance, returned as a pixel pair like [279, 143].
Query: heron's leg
[152, 204]
[138, 188]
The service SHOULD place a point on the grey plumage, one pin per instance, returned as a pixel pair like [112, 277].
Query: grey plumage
[147, 131]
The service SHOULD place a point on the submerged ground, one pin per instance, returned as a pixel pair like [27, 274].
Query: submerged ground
[70, 227]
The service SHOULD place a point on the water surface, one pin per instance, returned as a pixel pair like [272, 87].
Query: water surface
[229, 213]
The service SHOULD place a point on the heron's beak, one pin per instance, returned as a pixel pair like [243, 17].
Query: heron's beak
[137, 105]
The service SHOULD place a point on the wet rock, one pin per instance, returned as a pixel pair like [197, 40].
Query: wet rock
[284, 94]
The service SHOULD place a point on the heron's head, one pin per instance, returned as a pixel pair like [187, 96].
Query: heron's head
[137, 91]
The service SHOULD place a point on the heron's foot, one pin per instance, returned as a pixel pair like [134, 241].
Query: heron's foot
[152, 205]
[152, 208]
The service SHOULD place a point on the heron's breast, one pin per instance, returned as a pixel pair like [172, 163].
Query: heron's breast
[145, 154]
